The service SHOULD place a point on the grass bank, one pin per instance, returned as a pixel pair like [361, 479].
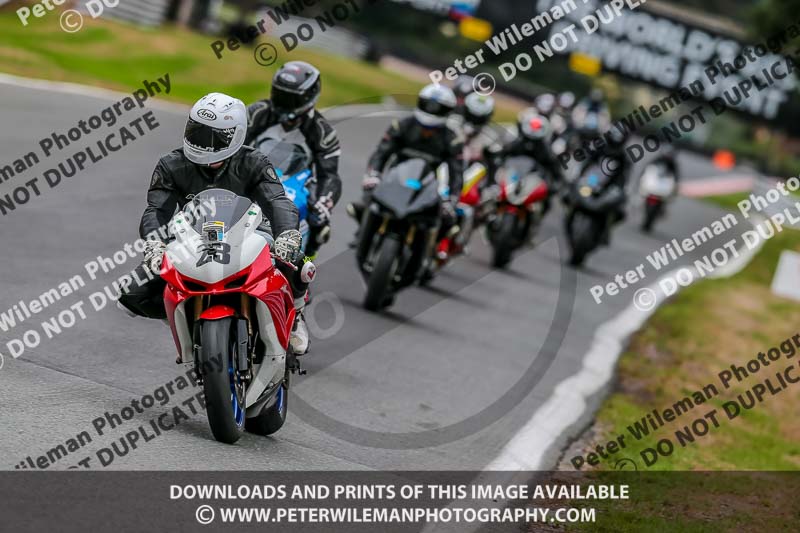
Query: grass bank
[683, 348]
[119, 56]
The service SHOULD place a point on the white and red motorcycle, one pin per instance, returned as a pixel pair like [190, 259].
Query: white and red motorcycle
[231, 313]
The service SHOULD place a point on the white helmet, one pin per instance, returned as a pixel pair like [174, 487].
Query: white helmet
[215, 130]
[566, 100]
[478, 109]
[434, 104]
[545, 103]
[532, 125]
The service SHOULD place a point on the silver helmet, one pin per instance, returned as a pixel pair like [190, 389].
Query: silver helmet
[215, 130]
[434, 104]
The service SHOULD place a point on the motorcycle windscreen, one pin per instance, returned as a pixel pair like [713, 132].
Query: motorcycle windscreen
[520, 165]
[217, 210]
[593, 177]
[514, 169]
[408, 188]
[288, 158]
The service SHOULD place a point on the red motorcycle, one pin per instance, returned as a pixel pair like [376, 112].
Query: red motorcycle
[231, 313]
[520, 207]
[471, 211]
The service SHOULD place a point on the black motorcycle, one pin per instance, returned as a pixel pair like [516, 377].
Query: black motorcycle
[590, 214]
[398, 231]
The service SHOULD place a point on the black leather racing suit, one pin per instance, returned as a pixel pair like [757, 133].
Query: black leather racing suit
[320, 138]
[175, 180]
[538, 150]
[406, 139]
[614, 163]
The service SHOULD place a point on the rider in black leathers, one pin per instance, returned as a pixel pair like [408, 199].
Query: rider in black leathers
[295, 89]
[213, 156]
[608, 152]
[424, 135]
[247, 173]
[533, 140]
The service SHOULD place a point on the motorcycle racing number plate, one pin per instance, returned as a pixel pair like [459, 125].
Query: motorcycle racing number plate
[213, 248]
[216, 252]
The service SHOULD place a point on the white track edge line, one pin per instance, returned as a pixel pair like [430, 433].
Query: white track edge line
[532, 446]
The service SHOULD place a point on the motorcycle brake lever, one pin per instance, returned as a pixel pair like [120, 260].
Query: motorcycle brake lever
[287, 263]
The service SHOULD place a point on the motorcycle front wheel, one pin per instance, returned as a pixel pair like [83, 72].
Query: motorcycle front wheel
[222, 385]
[384, 270]
[583, 238]
[272, 417]
[503, 241]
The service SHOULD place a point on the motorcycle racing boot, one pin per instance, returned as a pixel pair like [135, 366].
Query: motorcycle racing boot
[299, 339]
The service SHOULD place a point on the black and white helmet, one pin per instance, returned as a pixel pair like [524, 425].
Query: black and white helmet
[532, 125]
[434, 104]
[215, 130]
[478, 109]
[295, 90]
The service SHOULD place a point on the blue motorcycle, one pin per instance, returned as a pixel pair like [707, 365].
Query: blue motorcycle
[293, 165]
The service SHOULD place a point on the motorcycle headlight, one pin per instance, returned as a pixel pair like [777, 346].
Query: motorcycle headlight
[585, 191]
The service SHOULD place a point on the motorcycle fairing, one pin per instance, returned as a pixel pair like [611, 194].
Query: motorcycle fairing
[248, 268]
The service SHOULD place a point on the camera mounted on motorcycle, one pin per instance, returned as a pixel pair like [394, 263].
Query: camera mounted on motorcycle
[213, 231]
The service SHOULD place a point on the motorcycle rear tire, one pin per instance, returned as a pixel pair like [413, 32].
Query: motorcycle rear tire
[216, 356]
[381, 279]
[650, 216]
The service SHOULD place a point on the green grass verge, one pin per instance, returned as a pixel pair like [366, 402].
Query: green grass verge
[119, 56]
[728, 201]
[705, 329]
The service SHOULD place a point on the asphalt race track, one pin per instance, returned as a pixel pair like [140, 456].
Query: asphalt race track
[442, 381]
